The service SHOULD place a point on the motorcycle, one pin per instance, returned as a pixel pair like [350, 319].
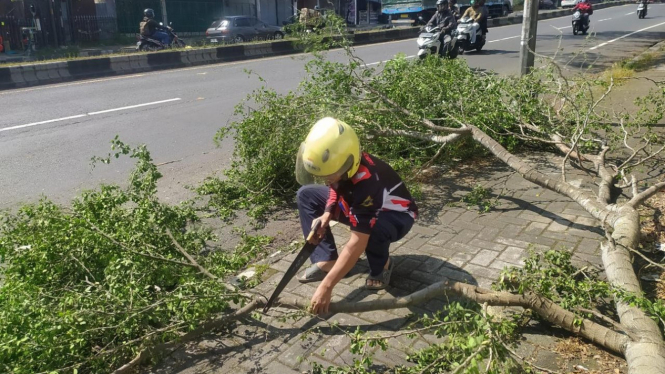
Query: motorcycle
[429, 43]
[579, 24]
[148, 44]
[463, 35]
[641, 10]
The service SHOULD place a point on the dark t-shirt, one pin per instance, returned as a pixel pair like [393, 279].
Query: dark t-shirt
[374, 188]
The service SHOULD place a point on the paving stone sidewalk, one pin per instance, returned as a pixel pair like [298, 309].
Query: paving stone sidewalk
[449, 241]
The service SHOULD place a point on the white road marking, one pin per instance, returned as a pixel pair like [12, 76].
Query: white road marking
[86, 115]
[606, 19]
[133, 106]
[41, 123]
[498, 40]
[627, 14]
[625, 36]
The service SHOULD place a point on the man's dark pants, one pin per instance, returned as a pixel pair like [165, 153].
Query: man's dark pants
[390, 227]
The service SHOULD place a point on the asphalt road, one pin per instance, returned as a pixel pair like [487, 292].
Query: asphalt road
[48, 134]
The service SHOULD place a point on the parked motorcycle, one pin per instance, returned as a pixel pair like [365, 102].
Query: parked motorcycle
[641, 11]
[463, 35]
[149, 44]
[579, 24]
[429, 43]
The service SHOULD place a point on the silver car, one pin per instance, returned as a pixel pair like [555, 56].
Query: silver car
[237, 29]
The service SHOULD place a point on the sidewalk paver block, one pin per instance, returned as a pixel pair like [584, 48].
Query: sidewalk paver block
[459, 259]
[512, 242]
[511, 231]
[513, 255]
[487, 245]
[277, 368]
[486, 272]
[298, 350]
[484, 257]
[427, 278]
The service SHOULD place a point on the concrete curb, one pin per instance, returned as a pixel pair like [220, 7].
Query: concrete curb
[56, 72]
[654, 48]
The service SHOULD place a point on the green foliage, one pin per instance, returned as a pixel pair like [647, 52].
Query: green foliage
[470, 337]
[271, 129]
[552, 275]
[85, 288]
[481, 198]
[320, 35]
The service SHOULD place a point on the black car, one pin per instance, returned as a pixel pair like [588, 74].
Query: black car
[237, 29]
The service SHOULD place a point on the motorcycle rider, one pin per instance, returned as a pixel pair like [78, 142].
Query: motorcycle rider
[475, 12]
[152, 29]
[485, 13]
[645, 3]
[454, 8]
[444, 18]
[585, 8]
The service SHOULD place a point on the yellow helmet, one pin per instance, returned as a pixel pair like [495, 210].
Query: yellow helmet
[330, 151]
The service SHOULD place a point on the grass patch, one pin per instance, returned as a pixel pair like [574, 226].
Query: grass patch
[643, 62]
[618, 72]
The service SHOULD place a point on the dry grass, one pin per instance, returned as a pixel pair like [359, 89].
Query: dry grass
[618, 72]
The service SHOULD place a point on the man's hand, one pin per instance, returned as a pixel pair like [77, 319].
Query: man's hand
[323, 222]
[321, 300]
[347, 259]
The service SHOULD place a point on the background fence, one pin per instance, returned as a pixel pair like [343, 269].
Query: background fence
[93, 28]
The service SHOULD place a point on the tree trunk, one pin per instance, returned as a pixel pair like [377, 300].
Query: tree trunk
[646, 355]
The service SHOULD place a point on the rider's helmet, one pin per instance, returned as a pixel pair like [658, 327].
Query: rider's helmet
[330, 152]
[149, 13]
[441, 4]
[474, 3]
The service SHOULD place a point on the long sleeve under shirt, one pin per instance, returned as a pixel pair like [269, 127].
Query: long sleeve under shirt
[374, 188]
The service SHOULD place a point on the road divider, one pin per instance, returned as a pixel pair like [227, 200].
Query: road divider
[57, 72]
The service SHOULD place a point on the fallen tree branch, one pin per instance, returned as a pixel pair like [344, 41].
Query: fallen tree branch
[609, 320]
[126, 248]
[194, 263]
[207, 327]
[645, 195]
[547, 309]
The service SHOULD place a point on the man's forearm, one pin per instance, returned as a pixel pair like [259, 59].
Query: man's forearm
[346, 261]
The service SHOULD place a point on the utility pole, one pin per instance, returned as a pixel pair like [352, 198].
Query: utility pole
[165, 18]
[528, 40]
[53, 25]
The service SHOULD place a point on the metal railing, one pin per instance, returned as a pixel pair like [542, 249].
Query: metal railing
[93, 28]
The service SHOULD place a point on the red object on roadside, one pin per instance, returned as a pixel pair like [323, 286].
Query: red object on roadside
[2, 46]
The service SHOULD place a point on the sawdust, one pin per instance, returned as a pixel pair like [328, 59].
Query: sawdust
[579, 357]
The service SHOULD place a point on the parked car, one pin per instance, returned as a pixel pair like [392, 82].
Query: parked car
[237, 29]
[568, 3]
[546, 4]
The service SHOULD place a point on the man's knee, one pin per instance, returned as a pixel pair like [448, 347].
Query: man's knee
[308, 193]
[302, 194]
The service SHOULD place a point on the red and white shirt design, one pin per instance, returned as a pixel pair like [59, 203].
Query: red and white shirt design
[374, 188]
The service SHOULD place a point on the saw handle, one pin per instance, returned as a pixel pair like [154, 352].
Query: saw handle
[312, 238]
